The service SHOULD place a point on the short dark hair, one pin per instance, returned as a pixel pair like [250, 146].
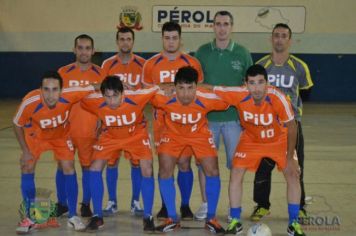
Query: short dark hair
[285, 26]
[186, 75]
[52, 74]
[83, 36]
[256, 70]
[224, 13]
[171, 26]
[125, 30]
[111, 82]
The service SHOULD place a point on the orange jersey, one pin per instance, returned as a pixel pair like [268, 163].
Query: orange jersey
[44, 122]
[83, 123]
[190, 120]
[262, 123]
[159, 69]
[129, 73]
[126, 120]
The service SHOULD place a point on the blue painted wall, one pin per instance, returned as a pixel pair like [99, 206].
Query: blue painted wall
[334, 75]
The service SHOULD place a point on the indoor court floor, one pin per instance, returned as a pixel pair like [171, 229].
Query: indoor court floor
[330, 179]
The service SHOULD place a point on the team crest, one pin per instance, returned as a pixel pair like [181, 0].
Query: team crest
[130, 17]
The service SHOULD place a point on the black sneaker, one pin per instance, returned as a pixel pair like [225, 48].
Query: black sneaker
[95, 223]
[148, 225]
[235, 227]
[85, 210]
[61, 210]
[168, 226]
[162, 214]
[186, 213]
[214, 227]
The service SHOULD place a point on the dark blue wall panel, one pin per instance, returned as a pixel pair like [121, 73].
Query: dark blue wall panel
[334, 75]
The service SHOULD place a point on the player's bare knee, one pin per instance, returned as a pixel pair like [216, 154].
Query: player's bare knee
[68, 168]
[184, 166]
[98, 165]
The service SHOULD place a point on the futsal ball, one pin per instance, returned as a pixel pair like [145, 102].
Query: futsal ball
[259, 229]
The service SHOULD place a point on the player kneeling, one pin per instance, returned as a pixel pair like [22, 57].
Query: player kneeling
[41, 124]
[187, 126]
[123, 129]
[269, 131]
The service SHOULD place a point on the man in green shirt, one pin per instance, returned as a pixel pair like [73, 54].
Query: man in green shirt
[224, 62]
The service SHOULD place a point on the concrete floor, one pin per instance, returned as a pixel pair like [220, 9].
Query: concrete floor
[330, 178]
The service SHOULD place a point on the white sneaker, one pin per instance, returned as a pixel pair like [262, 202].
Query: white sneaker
[308, 200]
[136, 208]
[202, 212]
[76, 223]
[110, 209]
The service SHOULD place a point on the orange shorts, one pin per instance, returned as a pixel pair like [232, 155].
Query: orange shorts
[85, 149]
[134, 162]
[249, 153]
[200, 146]
[62, 147]
[138, 147]
[158, 130]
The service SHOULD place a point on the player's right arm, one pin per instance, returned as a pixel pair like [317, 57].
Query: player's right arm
[91, 103]
[22, 117]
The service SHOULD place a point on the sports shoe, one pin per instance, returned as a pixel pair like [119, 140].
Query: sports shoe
[85, 210]
[76, 223]
[202, 212]
[95, 223]
[303, 216]
[61, 210]
[110, 209]
[148, 225]
[295, 229]
[162, 214]
[25, 226]
[258, 213]
[214, 227]
[136, 208]
[235, 227]
[186, 213]
[168, 226]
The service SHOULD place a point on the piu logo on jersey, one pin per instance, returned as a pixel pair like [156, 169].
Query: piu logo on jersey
[258, 119]
[120, 120]
[281, 80]
[76, 83]
[167, 75]
[54, 121]
[129, 78]
[186, 118]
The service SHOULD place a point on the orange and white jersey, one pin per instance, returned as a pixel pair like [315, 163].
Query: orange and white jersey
[188, 120]
[263, 123]
[127, 119]
[160, 69]
[83, 124]
[73, 76]
[129, 72]
[45, 122]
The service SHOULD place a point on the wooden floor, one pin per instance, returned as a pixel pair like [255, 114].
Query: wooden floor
[330, 178]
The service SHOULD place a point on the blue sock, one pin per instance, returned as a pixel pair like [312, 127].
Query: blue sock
[168, 192]
[212, 191]
[86, 187]
[112, 174]
[28, 190]
[61, 188]
[97, 192]
[293, 211]
[148, 187]
[235, 213]
[136, 178]
[72, 193]
[185, 183]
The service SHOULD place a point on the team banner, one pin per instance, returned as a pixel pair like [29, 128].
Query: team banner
[247, 19]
